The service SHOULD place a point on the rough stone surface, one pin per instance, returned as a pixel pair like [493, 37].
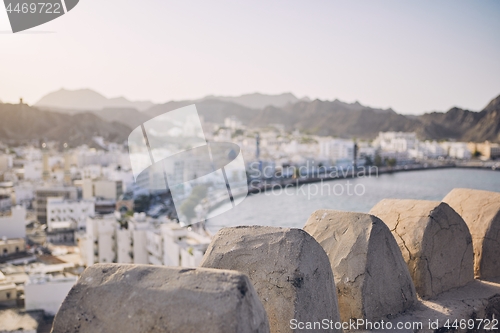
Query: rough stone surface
[476, 301]
[481, 211]
[141, 298]
[287, 267]
[372, 279]
[435, 242]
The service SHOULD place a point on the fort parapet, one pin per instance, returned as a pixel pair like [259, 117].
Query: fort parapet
[408, 261]
[434, 240]
[481, 211]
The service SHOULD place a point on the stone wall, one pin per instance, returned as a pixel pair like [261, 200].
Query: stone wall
[435, 242]
[140, 298]
[481, 211]
[287, 267]
[371, 276]
[343, 266]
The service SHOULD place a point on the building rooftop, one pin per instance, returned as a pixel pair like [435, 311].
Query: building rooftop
[19, 321]
[4, 241]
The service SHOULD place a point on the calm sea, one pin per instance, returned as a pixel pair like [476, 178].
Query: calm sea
[292, 207]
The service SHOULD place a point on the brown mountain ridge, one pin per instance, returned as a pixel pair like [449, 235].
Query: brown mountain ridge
[335, 118]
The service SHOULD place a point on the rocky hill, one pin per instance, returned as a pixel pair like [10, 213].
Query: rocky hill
[334, 118]
[71, 101]
[22, 123]
[346, 120]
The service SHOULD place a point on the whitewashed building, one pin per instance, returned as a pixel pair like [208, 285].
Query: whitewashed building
[396, 141]
[458, 150]
[5, 202]
[173, 245]
[98, 245]
[143, 241]
[5, 162]
[336, 149]
[47, 291]
[13, 225]
[24, 193]
[102, 188]
[72, 213]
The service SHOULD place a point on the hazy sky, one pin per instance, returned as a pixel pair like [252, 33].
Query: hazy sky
[413, 56]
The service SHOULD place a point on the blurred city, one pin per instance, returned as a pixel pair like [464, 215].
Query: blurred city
[64, 208]
[325, 105]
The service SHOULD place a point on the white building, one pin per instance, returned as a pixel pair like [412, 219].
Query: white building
[14, 225]
[427, 149]
[24, 193]
[336, 149]
[138, 227]
[102, 188]
[84, 156]
[143, 241]
[8, 289]
[433, 149]
[366, 150]
[61, 213]
[5, 162]
[33, 170]
[125, 246]
[43, 193]
[396, 141]
[232, 123]
[5, 202]
[9, 246]
[300, 149]
[92, 171]
[458, 150]
[173, 245]
[99, 244]
[47, 291]
[179, 246]
[29, 153]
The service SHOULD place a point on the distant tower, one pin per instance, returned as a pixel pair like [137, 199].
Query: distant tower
[21, 101]
[45, 157]
[257, 145]
[67, 165]
[355, 153]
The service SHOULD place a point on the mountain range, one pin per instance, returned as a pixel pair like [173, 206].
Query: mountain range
[66, 117]
[73, 101]
[20, 123]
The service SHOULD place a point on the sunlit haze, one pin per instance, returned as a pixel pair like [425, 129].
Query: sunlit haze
[414, 57]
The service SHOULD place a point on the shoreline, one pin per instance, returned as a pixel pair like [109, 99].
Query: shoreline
[292, 182]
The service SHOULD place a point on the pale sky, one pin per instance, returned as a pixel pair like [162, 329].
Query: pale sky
[413, 56]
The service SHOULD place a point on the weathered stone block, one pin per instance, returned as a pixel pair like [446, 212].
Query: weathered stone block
[481, 211]
[288, 268]
[435, 242]
[141, 298]
[472, 306]
[371, 276]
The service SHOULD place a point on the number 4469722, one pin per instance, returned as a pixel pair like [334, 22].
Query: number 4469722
[485, 324]
[40, 7]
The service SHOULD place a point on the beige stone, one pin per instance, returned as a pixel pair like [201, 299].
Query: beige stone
[288, 268]
[481, 211]
[371, 276]
[141, 298]
[466, 306]
[435, 242]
